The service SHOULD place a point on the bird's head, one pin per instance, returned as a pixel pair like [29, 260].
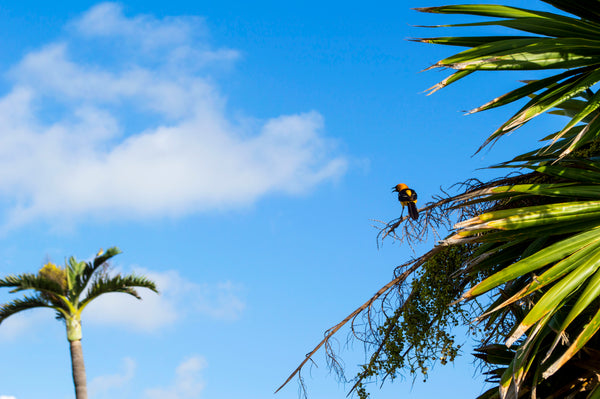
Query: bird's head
[399, 187]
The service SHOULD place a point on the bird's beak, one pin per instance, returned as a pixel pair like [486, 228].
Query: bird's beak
[394, 189]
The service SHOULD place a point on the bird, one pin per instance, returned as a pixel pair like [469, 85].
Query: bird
[407, 197]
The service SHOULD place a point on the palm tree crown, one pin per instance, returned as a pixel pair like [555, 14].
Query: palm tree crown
[68, 291]
[538, 236]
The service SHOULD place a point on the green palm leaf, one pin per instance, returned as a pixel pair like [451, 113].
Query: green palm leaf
[20, 304]
[555, 272]
[582, 175]
[544, 257]
[515, 374]
[562, 43]
[66, 297]
[569, 264]
[89, 268]
[587, 296]
[586, 334]
[487, 10]
[36, 282]
[539, 236]
[532, 87]
[118, 283]
[585, 9]
[557, 295]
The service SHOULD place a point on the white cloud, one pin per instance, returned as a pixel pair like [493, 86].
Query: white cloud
[20, 324]
[107, 20]
[14, 326]
[152, 312]
[175, 39]
[143, 131]
[7, 397]
[220, 301]
[188, 382]
[178, 297]
[104, 383]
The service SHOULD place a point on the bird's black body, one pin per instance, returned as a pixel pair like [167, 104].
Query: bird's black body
[408, 198]
[407, 195]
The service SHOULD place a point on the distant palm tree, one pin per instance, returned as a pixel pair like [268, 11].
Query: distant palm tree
[68, 291]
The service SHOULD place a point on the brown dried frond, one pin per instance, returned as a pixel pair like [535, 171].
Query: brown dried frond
[414, 265]
[441, 213]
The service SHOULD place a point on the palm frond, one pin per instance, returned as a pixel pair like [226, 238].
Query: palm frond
[25, 303]
[124, 284]
[61, 288]
[89, 268]
[563, 42]
[585, 9]
[564, 272]
[104, 256]
[28, 281]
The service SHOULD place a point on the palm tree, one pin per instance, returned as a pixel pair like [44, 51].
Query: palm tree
[68, 291]
[534, 239]
[538, 236]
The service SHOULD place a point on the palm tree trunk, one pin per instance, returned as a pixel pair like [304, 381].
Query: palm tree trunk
[78, 370]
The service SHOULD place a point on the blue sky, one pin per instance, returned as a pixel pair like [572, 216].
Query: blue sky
[238, 153]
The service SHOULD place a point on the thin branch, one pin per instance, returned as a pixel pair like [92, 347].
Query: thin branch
[330, 332]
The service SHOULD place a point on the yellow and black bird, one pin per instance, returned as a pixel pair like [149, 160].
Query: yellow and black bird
[407, 197]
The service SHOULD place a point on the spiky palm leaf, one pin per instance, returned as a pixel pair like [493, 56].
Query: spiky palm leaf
[21, 304]
[79, 274]
[554, 42]
[540, 240]
[29, 281]
[553, 251]
[118, 283]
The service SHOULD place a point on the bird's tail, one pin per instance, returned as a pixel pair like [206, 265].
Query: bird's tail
[412, 211]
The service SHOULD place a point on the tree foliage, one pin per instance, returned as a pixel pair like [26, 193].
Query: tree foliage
[68, 290]
[419, 333]
[523, 254]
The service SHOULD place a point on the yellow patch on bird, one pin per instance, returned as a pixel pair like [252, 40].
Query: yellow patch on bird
[401, 186]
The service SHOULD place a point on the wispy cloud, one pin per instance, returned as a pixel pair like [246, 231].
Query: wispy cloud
[178, 297]
[123, 118]
[102, 384]
[20, 324]
[220, 301]
[188, 383]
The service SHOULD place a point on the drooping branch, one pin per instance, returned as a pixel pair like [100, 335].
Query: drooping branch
[331, 332]
[439, 214]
